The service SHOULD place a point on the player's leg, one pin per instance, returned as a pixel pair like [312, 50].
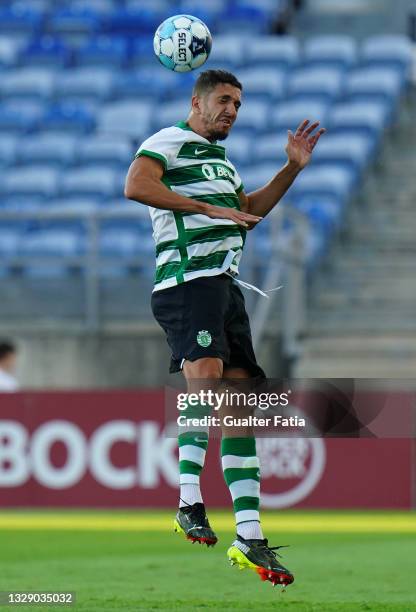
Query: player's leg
[191, 518]
[242, 474]
[239, 458]
[192, 316]
[240, 464]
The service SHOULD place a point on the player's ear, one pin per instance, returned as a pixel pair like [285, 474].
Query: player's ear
[196, 105]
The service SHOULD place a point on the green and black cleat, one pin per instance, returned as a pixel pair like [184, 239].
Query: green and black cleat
[193, 522]
[257, 555]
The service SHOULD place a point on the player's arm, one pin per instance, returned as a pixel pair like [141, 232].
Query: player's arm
[299, 150]
[144, 184]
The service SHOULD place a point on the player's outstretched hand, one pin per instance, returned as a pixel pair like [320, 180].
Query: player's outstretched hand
[241, 218]
[301, 144]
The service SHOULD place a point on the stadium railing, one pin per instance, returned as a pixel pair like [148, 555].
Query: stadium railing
[287, 266]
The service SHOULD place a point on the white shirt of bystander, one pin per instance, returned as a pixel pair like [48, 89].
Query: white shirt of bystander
[8, 383]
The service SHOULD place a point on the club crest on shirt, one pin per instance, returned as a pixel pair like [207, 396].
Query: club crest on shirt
[204, 338]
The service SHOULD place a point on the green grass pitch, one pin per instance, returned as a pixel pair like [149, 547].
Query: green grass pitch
[133, 561]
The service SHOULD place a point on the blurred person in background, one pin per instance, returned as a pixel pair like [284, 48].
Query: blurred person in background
[8, 357]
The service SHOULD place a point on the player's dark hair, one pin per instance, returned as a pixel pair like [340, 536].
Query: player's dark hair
[6, 348]
[209, 79]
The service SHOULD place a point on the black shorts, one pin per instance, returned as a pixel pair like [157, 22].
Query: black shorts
[206, 317]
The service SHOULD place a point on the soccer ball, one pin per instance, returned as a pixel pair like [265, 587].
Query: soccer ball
[182, 43]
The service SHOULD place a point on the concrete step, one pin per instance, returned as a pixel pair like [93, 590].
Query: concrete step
[354, 322]
[396, 346]
[362, 315]
[363, 264]
[341, 307]
[353, 367]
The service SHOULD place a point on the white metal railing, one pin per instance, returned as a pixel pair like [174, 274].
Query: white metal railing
[286, 266]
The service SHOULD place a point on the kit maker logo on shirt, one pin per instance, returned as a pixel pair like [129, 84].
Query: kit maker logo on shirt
[204, 338]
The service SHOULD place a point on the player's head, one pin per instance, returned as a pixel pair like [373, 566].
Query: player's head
[8, 353]
[216, 98]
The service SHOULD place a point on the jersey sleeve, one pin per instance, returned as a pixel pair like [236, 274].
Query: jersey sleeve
[161, 146]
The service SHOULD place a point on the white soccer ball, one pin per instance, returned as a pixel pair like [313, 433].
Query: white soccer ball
[182, 43]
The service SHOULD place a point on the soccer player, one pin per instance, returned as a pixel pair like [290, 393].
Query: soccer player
[200, 215]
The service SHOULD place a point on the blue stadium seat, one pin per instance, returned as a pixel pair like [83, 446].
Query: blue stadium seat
[19, 116]
[329, 50]
[273, 8]
[321, 84]
[263, 82]
[279, 51]
[103, 51]
[288, 115]
[227, 52]
[55, 149]
[206, 11]
[319, 232]
[9, 51]
[126, 118]
[270, 148]
[242, 18]
[168, 114]
[133, 22]
[253, 116]
[20, 18]
[143, 84]
[76, 205]
[85, 83]
[42, 6]
[141, 52]
[38, 181]
[8, 149]
[101, 7]
[350, 149]
[20, 202]
[122, 209]
[73, 20]
[156, 5]
[322, 211]
[91, 182]
[46, 51]
[368, 118]
[124, 238]
[183, 82]
[325, 181]
[238, 147]
[9, 239]
[28, 83]
[388, 51]
[67, 117]
[56, 245]
[110, 150]
[64, 239]
[124, 245]
[374, 84]
[257, 175]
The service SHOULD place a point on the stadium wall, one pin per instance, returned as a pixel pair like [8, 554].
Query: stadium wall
[136, 356]
[115, 449]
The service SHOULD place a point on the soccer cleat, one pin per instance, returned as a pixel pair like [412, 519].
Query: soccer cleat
[257, 555]
[193, 522]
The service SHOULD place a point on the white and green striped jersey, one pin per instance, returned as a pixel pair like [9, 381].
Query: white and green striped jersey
[191, 245]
